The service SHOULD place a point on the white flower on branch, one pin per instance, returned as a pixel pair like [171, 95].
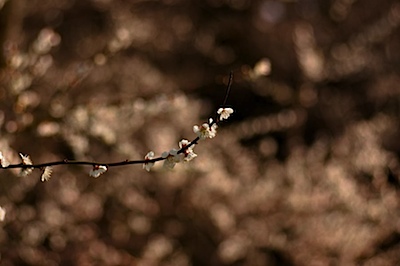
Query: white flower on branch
[46, 175]
[224, 113]
[2, 214]
[3, 160]
[205, 130]
[171, 158]
[98, 170]
[190, 156]
[26, 160]
[188, 152]
[147, 166]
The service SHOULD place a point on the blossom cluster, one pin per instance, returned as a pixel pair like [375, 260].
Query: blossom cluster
[185, 153]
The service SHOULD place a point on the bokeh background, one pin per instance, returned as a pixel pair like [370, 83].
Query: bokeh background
[305, 173]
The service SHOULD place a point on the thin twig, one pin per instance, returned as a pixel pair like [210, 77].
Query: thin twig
[228, 88]
[122, 163]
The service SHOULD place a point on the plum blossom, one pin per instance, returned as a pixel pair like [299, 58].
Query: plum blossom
[46, 175]
[188, 152]
[205, 130]
[171, 158]
[224, 113]
[26, 160]
[189, 156]
[97, 170]
[147, 166]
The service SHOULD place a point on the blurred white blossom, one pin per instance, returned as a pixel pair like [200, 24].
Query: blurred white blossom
[171, 158]
[46, 40]
[98, 170]
[224, 113]
[147, 166]
[262, 68]
[3, 160]
[2, 214]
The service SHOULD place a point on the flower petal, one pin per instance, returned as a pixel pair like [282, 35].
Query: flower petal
[46, 175]
[98, 170]
[147, 166]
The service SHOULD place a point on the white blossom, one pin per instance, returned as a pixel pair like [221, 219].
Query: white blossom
[206, 131]
[97, 170]
[184, 143]
[177, 157]
[2, 214]
[189, 156]
[147, 166]
[224, 113]
[169, 163]
[188, 152]
[26, 171]
[26, 160]
[171, 158]
[46, 175]
[3, 160]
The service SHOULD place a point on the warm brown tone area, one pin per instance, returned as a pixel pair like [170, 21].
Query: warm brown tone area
[305, 173]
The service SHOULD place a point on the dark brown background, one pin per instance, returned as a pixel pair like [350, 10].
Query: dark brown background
[305, 173]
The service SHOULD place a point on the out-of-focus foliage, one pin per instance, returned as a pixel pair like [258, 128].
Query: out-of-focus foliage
[306, 172]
